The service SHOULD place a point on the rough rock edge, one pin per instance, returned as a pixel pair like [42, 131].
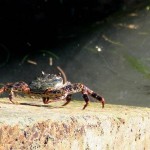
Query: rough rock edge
[43, 127]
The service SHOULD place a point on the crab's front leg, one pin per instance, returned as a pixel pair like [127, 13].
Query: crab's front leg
[78, 87]
[68, 99]
[101, 99]
[56, 95]
[45, 100]
[86, 98]
[86, 91]
[94, 95]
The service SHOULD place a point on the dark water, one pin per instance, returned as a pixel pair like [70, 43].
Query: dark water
[114, 60]
[111, 57]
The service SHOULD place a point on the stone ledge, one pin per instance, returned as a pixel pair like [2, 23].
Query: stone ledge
[34, 126]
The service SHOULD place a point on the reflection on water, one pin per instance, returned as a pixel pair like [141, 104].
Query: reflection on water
[115, 60]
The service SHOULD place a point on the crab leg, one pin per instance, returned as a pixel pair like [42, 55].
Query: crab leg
[78, 87]
[8, 88]
[68, 99]
[11, 95]
[86, 91]
[86, 98]
[101, 99]
[45, 100]
[2, 90]
[17, 87]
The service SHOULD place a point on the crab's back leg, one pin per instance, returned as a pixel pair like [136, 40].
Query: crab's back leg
[8, 88]
[18, 87]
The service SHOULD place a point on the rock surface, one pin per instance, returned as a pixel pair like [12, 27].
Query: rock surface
[34, 126]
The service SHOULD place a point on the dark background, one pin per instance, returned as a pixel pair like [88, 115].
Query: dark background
[101, 43]
[30, 25]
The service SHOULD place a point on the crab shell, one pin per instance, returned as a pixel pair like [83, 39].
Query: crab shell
[46, 81]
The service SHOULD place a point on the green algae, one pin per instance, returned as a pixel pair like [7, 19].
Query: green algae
[137, 65]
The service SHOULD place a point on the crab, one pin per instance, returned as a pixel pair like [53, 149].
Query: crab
[51, 88]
